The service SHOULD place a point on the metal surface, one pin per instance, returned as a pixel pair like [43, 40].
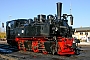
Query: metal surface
[59, 10]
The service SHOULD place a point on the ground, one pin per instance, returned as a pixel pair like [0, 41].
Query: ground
[20, 55]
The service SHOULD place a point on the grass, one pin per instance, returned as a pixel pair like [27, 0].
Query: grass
[2, 35]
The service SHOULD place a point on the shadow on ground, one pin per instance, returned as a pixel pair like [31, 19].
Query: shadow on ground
[6, 49]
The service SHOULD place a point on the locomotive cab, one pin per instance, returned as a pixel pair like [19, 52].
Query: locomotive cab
[14, 28]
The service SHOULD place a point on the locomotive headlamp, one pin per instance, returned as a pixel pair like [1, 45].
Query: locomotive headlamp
[18, 34]
[22, 31]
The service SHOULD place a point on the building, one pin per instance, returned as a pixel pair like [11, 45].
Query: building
[82, 33]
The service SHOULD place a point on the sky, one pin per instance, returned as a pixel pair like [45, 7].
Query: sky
[15, 9]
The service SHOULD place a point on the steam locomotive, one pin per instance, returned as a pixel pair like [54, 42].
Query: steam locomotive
[46, 34]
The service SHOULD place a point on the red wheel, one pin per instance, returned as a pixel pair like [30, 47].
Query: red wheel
[21, 45]
[35, 46]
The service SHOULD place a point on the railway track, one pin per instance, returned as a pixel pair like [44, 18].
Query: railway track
[8, 52]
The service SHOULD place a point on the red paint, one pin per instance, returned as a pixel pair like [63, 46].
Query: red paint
[64, 45]
[35, 46]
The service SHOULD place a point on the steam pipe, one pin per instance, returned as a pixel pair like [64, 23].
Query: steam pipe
[59, 10]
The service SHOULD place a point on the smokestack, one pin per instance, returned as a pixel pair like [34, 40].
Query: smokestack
[59, 10]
